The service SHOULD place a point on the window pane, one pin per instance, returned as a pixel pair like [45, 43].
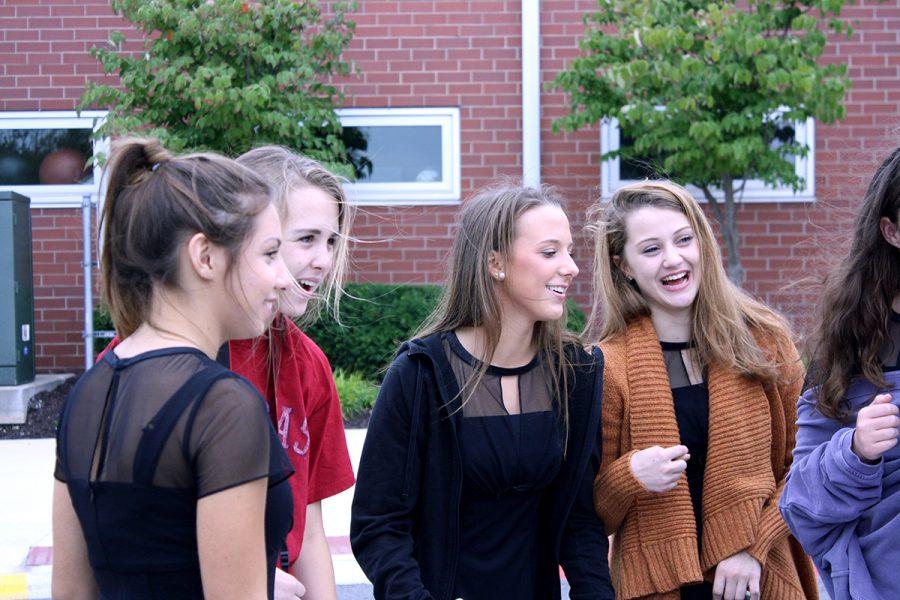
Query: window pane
[395, 153]
[45, 156]
[638, 167]
[783, 133]
[651, 166]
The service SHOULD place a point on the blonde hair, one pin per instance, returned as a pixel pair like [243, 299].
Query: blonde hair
[286, 171]
[723, 317]
[487, 223]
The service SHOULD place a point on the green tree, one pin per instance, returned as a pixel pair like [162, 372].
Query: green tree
[702, 86]
[226, 75]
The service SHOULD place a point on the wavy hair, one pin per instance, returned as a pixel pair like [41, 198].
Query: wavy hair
[855, 306]
[286, 172]
[723, 317]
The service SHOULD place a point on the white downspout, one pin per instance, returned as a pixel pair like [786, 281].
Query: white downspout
[531, 92]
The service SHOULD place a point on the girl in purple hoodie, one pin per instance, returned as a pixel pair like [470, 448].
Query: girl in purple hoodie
[842, 498]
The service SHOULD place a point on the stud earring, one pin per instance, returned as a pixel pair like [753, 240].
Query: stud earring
[500, 276]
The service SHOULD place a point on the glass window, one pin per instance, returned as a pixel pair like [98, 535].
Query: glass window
[45, 156]
[403, 155]
[48, 156]
[617, 172]
[394, 153]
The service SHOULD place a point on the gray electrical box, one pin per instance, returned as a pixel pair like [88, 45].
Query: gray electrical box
[16, 291]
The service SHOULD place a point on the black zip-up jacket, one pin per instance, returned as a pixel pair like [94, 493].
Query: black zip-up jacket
[405, 519]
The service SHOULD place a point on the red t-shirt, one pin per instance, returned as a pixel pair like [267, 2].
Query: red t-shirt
[306, 413]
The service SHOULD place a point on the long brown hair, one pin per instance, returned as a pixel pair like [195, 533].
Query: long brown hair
[855, 305]
[287, 171]
[487, 223]
[723, 316]
[153, 202]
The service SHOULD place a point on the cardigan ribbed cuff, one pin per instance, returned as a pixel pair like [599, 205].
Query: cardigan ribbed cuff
[656, 568]
[730, 531]
[777, 586]
[614, 492]
[771, 529]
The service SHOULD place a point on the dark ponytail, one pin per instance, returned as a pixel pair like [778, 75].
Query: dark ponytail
[154, 201]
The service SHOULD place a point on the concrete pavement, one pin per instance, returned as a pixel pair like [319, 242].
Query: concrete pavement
[26, 481]
[26, 489]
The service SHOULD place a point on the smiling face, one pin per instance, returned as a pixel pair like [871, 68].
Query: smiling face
[256, 280]
[662, 256]
[310, 235]
[539, 267]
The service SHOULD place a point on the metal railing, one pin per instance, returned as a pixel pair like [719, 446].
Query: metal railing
[88, 204]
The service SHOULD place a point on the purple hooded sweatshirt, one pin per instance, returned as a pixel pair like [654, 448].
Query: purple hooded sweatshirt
[844, 512]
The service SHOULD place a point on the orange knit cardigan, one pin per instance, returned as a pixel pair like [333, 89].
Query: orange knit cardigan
[751, 437]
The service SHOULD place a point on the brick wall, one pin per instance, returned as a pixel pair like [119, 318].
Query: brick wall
[58, 289]
[467, 53]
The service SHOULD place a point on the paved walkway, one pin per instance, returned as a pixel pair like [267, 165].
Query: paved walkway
[26, 490]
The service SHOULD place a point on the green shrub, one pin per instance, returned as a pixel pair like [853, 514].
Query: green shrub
[102, 322]
[575, 317]
[376, 318]
[357, 393]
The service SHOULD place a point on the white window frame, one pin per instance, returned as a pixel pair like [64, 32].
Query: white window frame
[445, 191]
[58, 196]
[755, 191]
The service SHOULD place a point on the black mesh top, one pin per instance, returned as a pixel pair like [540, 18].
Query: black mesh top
[509, 459]
[690, 395]
[140, 441]
[487, 398]
[890, 352]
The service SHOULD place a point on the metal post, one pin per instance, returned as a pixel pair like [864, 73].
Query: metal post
[87, 204]
[531, 93]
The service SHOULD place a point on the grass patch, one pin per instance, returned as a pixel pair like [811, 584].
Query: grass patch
[357, 394]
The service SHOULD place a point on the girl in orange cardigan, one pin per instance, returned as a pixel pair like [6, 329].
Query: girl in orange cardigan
[699, 396]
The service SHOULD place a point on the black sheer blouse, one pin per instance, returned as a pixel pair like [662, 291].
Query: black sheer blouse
[687, 380]
[508, 461]
[890, 351]
[140, 441]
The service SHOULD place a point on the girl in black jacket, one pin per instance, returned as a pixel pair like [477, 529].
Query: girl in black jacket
[476, 476]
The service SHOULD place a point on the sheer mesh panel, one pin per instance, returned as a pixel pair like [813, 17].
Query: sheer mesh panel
[890, 352]
[682, 364]
[228, 442]
[487, 398]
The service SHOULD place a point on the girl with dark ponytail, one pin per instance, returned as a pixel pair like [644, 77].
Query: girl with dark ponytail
[171, 481]
[841, 497]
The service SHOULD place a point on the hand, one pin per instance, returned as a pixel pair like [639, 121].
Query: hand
[876, 429]
[287, 587]
[735, 576]
[659, 469]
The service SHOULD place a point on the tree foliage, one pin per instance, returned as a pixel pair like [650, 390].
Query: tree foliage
[226, 75]
[703, 85]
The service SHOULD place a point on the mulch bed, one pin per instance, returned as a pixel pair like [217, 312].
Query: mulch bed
[359, 421]
[43, 414]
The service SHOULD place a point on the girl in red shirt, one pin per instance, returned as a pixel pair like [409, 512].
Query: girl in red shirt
[290, 370]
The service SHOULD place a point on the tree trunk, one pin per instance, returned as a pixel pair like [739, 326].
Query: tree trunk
[728, 226]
